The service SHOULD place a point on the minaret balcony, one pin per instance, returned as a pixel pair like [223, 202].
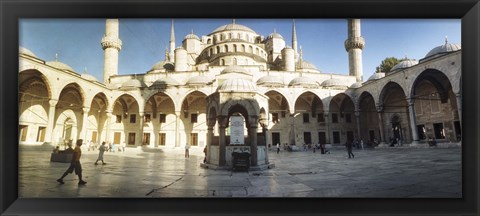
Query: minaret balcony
[111, 42]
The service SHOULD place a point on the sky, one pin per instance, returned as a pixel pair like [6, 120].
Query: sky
[77, 41]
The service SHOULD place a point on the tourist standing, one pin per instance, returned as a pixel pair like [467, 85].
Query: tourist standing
[123, 146]
[75, 165]
[361, 144]
[205, 152]
[101, 150]
[278, 148]
[349, 149]
[187, 153]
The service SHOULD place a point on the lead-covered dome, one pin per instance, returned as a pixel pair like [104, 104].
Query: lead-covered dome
[89, 77]
[163, 66]
[270, 81]
[235, 69]
[275, 35]
[376, 76]
[133, 83]
[303, 82]
[199, 80]
[60, 65]
[237, 85]
[25, 51]
[165, 81]
[191, 36]
[233, 26]
[445, 48]
[404, 64]
[356, 85]
[335, 82]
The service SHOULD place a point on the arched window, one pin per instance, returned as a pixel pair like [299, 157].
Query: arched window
[239, 36]
[231, 35]
[250, 49]
[243, 48]
[222, 37]
[235, 48]
[226, 48]
[222, 62]
[218, 49]
[234, 61]
[258, 51]
[209, 41]
[210, 52]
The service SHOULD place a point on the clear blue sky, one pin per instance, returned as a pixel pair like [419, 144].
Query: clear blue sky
[77, 41]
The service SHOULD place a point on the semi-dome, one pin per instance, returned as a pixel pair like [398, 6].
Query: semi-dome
[356, 85]
[235, 69]
[303, 82]
[165, 81]
[233, 26]
[25, 51]
[191, 36]
[404, 64]
[199, 80]
[60, 65]
[376, 76]
[270, 81]
[237, 85]
[133, 83]
[445, 48]
[163, 66]
[88, 77]
[275, 35]
[332, 82]
[306, 65]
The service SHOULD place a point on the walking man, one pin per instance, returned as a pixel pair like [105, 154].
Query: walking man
[349, 149]
[101, 150]
[75, 165]
[187, 153]
[278, 148]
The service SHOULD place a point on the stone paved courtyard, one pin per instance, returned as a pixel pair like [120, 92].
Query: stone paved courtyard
[383, 172]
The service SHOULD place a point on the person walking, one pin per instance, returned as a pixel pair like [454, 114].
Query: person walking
[101, 150]
[349, 149]
[278, 148]
[205, 152]
[123, 146]
[187, 153]
[361, 144]
[75, 164]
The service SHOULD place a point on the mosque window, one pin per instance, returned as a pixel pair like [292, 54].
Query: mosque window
[231, 35]
[222, 62]
[194, 139]
[194, 118]
[162, 139]
[258, 51]
[243, 48]
[235, 48]
[320, 117]
[239, 36]
[275, 117]
[226, 48]
[334, 118]
[284, 114]
[131, 138]
[133, 118]
[119, 118]
[210, 52]
[250, 49]
[147, 118]
[209, 41]
[162, 118]
[306, 118]
[218, 49]
[348, 118]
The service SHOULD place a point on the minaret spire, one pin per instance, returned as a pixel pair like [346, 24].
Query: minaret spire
[172, 43]
[294, 40]
[354, 46]
[111, 45]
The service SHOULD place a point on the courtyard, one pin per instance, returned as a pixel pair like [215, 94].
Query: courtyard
[374, 173]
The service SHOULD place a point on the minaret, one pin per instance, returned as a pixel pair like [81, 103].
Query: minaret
[294, 41]
[354, 46]
[171, 55]
[111, 45]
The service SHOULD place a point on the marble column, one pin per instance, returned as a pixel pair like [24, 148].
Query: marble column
[140, 128]
[51, 119]
[380, 125]
[83, 133]
[177, 128]
[459, 107]
[327, 125]
[357, 117]
[209, 141]
[292, 130]
[413, 121]
[108, 122]
[266, 135]
[252, 132]
[221, 142]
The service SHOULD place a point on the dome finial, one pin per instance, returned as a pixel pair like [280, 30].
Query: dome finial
[233, 21]
[56, 57]
[192, 31]
[446, 40]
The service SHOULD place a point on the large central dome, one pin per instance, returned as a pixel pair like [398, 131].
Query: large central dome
[233, 26]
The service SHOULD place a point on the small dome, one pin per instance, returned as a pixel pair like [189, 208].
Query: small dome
[191, 36]
[25, 51]
[237, 84]
[404, 64]
[270, 81]
[60, 65]
[89, 77]
[163, 66]
[235, 69]
[303, 82]
[133, 83]
[232, 26]
[446, 48]
[199, 80]
[376, 76]
[306, 65]
[334, 82]
[165, 81]
[275, 35]
[356, 85]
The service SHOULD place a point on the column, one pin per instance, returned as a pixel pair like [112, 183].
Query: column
[83, 133]
[357, 116]
[51, 119]
[459, 107]
[140, 128]
[209, 141]
[221, 142]
[265, 134]
[177, 128]
[109, 118]
[292, 130]
[327, 124]
[380, 125]
[413, 121]
[252, 132]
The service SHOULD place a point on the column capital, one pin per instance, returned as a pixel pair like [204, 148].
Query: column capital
[52, 102]
[379, 108]
[86, 109]
[411, 101]
[141, 114]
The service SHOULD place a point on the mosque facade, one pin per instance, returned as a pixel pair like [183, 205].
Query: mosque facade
[191, 96]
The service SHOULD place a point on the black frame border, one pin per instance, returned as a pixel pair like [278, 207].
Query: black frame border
[12, 10]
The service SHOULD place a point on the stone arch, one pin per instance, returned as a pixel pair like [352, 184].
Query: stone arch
[436, 78]
[250, 105]
[283, 101]
[368, 116]
[393, 101]
[30, 74]
[152, 93]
